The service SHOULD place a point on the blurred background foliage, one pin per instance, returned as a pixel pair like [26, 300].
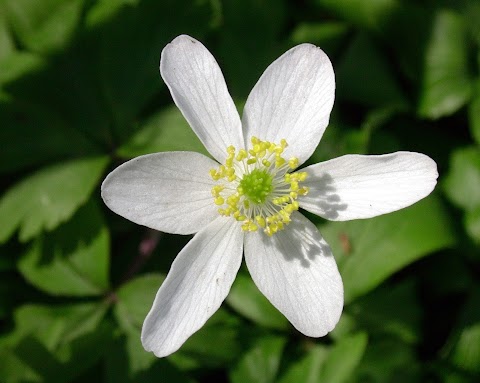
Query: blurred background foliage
[80, 93]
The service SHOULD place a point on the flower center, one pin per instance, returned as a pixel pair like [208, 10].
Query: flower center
[256, 187]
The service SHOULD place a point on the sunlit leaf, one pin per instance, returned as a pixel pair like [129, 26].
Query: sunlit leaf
[73, 260]
[369, 251]
[49, 197]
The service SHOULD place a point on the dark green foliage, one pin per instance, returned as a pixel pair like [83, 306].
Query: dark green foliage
[80, 92]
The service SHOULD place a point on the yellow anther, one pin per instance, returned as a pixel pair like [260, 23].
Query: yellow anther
[279, 161]
[254, 140]
[283, 143]
[289, 208]
[294, 195]
[242, 154]
[266, 163]
[293, 162]
[251, 161]
[252, 227]
[219, 201]
[260, 220]
[231, 149]
[303, 190]
[302, 176]
[294, 186]
[295, 205]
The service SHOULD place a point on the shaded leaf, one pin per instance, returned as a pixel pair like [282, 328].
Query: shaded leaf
[462, 183]
[49, 197]
[73, 260]
[165, 131]
[44, 26]
[134, 300]
[446, 83]
[365, 77]
[260, 364]
[246, 299]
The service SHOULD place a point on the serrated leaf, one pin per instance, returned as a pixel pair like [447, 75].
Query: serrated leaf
[462, 183]
[246, 299]
[446, 83]
[369, 251]
[261, 363]
[38, 131]
[44, 26]
[56, 343]
[73, 260]
[42, 201]
[165, 131]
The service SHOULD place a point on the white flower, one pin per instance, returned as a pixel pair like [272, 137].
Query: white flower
[247, 200]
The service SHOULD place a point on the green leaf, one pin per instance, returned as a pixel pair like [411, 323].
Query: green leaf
[446, 83]
[463, 346]
[165, 131]
[134, 300]
[328, 364]
[330, 36]
[308, 369]
[39, 131]
[49, 197]
[343, 358]
[472, 224]
[372, 83]
[44, 26]
[105, 10]
[7, 46]
[56, 343]
[369, 251]
[261, 363]
[73, 260]
[388, 360]
[219, 342]
[462, 183]
[127, 362]
[135, 39]
[246, 299]
[393, 310]
[474, 113]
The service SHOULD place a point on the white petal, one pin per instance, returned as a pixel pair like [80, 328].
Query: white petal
[296, 271]
[199, 90]
[168, 191]
[292, 100]
[357, 186]
[195, 287]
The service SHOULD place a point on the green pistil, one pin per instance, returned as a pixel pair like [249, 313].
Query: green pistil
[256, 186]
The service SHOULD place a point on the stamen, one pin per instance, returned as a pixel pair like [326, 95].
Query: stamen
[255, 187]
